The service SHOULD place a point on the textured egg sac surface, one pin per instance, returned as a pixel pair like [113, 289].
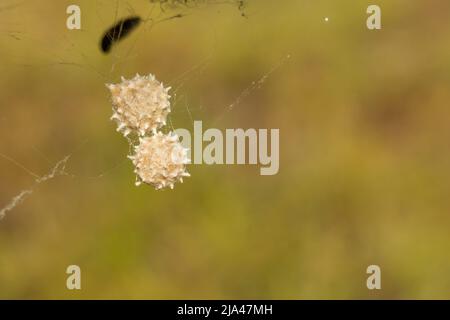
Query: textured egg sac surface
[140, 105]
[160, 160]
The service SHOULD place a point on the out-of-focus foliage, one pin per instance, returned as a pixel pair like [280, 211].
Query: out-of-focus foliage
[364, 174]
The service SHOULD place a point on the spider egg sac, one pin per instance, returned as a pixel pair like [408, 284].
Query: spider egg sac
[160, 160]
[140, 105]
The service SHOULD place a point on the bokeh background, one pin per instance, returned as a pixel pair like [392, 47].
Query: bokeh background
[364, 153]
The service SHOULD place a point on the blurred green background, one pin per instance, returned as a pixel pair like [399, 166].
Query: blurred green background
[364, 153]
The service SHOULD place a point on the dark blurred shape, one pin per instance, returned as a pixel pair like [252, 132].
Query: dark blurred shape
[119, 31]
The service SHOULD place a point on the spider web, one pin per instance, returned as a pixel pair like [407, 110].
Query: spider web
[73, 53]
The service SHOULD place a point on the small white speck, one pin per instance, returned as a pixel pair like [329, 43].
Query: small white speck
[326, 19]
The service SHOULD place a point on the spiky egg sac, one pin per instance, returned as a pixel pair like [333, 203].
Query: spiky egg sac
[140, 105]
[160, 160]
